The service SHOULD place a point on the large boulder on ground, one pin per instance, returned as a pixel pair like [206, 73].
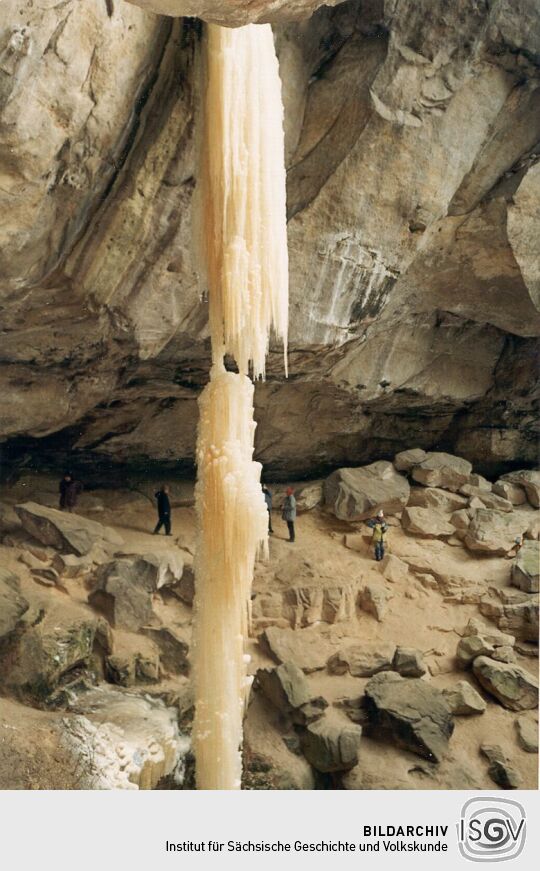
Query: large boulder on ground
[513, 686]
[330, 746]
[471, 646]
[527, 733]
[363, 660]
[436, 497]
[513, 492]
[133, 661]
[409, 662]
[517, 613]
[404, 461]
[173, 644]
[426, 522]
[526, 567]
[412, 712]
[529, 479]
[307, 648]
[463, 700]
[166, 566]
[64, 531]
[495, 532]
[442, 470]
[356, 494]
[12, 604]
[288, 690]
[489, 500]
[60, 641]
[500, 769]
[122, 590]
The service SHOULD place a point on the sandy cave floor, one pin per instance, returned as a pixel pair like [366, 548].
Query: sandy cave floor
[416, 617]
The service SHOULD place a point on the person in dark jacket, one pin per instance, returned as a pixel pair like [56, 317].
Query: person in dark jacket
[289, 512]
[69, 492]
[164, 510]
[268, 500]
[379, 526]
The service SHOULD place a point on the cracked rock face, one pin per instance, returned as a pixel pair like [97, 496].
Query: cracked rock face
[413, 235]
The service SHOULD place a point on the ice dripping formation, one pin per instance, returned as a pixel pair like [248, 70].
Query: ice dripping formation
[242, 250]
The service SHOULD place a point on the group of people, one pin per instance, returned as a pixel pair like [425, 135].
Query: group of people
[70, 489]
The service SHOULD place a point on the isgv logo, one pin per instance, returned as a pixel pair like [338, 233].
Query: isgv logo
[491, 829]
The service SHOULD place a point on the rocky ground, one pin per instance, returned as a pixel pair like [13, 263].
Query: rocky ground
[416, 672]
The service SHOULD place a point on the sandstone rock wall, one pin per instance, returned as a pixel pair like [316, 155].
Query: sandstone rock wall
[413, 190]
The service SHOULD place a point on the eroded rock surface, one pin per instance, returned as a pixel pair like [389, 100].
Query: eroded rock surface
[414, 285]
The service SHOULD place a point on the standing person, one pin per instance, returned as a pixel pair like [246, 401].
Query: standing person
[69, 492]
[268, 500]
[289, 512]
[164, 510]
[379, 526]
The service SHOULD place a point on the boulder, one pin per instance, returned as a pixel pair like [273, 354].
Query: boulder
[526, 567]
[495, 532]
[133, 660]
[527, 733]
[409, 662]
[460, 519]
[356, 494]
[64, 531]
[480, 482]
[500, 770]
[517, 615]
[405, 460]
[165, 566]
[412, 712]
[185, 588]
[373, 598]
[471, 646]
[442, 470]
[435, 497]
[330, 747]
[426, 522]
[463, 700]
[288, 690]
[122, 590]
[363, 660]
[394, 569]
[173, 645]
[62, 640]
[513, 492]
[306, 648]
[12, 604]
[489, 500]
[529, 479]
[513, 686]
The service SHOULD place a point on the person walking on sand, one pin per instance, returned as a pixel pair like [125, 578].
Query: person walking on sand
[289, 512]
[69, 492]
[379, 526]
[268, 499]
[164, 510]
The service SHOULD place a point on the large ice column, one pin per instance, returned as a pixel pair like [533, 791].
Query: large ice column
[242, 249]
[241, 200]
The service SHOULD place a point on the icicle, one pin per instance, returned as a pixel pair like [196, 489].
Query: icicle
[240, 203]
[242, 244]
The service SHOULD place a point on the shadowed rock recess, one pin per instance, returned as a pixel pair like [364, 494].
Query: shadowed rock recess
[413, 195]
